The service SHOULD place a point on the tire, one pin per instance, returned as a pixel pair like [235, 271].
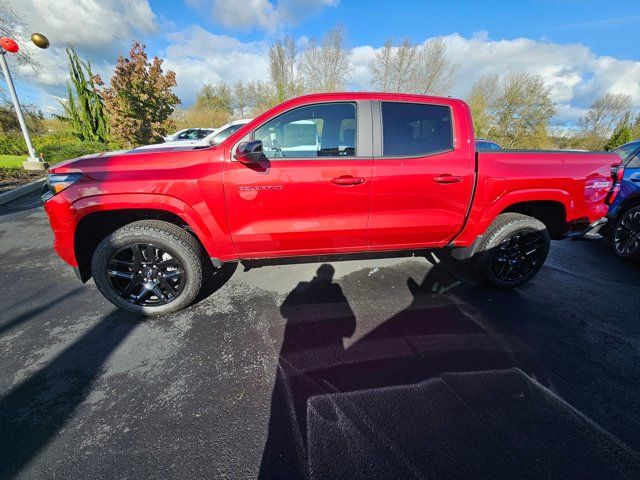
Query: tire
[512, 251]
[148, 267]
[625, 237]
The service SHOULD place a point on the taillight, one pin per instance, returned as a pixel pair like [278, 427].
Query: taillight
[617, 174]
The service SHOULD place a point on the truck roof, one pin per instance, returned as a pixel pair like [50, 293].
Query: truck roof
[370, 96]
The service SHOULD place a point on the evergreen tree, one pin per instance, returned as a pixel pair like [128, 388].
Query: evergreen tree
[622, 133]
[84, 109]
[636, 128]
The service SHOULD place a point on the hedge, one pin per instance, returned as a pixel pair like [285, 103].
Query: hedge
[12, 144]
[54, 153]
[54, 147]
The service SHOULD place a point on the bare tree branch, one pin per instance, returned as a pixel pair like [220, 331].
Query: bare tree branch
[325, 66]
[605, 113]
[423, 69]
[12, 25]
[283, 58]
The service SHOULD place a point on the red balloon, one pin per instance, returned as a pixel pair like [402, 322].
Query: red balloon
[9, 44]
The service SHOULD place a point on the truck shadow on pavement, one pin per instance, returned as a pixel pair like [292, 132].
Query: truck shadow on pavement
[434, 391]
[33, 411]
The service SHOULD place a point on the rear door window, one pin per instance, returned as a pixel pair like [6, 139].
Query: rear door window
[415, 129]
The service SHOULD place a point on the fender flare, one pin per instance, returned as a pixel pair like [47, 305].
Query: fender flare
[482, 216]
[216, 242]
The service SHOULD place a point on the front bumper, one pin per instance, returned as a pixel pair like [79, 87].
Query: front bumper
[63, 220]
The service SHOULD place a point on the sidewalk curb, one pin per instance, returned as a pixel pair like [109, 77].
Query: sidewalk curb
[21, 191]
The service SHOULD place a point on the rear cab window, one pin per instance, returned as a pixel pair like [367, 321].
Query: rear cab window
[319, 130]
[415, 129]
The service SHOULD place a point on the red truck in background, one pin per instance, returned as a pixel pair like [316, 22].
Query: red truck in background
[318, 175]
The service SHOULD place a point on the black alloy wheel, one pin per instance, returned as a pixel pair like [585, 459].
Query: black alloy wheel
[626, 236]
[145, 274]
[517, 256]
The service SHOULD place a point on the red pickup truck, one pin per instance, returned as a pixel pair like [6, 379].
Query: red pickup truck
[318, 175]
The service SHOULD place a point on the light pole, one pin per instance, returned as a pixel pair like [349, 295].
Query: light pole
[8, 45]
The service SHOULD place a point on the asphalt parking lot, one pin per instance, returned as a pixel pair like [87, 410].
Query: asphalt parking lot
[224, 388]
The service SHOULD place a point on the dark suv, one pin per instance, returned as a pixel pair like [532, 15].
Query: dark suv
[624, 212]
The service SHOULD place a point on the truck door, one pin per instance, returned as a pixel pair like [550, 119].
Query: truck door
[424, 174]
[311, 195]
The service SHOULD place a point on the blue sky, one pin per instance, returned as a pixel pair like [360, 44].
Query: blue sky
[608, 27]
[581, 48]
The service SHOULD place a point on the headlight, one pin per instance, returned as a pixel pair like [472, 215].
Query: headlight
[57, 182]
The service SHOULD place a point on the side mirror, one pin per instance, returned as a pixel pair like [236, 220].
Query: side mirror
[250, 152]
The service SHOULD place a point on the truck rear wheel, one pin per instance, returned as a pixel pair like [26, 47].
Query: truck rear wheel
[148, 267]
[512, 251]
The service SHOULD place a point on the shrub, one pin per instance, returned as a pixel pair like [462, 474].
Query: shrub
[58, 152]
[12, 144]
[54, 147]
[17, 173]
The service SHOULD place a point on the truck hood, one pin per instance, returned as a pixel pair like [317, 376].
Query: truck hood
[135, 159]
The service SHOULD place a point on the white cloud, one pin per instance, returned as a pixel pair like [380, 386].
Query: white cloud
[102, 29]
[99, 29]
[575, 75]
[93, 24]
[199, 56]
[262, 14]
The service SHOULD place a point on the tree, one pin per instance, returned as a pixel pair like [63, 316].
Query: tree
[604, 114]
[215, 97]
[433, 73]
[622, 134]
[283, 58]
[84, 108]
[422, 69]
[514, 111]
[263, 97]
[324, 66]
[213, 108]
[139, 99]
[9, 120]
[254, 98]
[12, 25]
[481, 100]
[635, 128]
[240, 99]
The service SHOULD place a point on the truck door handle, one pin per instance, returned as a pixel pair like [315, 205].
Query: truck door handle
[447, 178]
[635, 178]
[347, 180]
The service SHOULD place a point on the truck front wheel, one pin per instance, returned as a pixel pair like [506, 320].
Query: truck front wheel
[148, 267]
[512, 251]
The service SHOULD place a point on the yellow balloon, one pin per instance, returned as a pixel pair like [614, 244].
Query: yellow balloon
[40, 40]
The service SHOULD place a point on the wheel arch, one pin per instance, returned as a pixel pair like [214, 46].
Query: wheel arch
[550, 212]
[553, 207]
[630, 202]
[95, 226]
[98, 216]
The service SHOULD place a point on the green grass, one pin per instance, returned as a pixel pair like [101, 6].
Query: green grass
[12, 160]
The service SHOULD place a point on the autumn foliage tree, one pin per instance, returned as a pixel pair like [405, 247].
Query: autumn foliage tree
[139, 99]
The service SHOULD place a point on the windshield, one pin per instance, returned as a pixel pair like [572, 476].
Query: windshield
[626, 151]
[226, 133]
